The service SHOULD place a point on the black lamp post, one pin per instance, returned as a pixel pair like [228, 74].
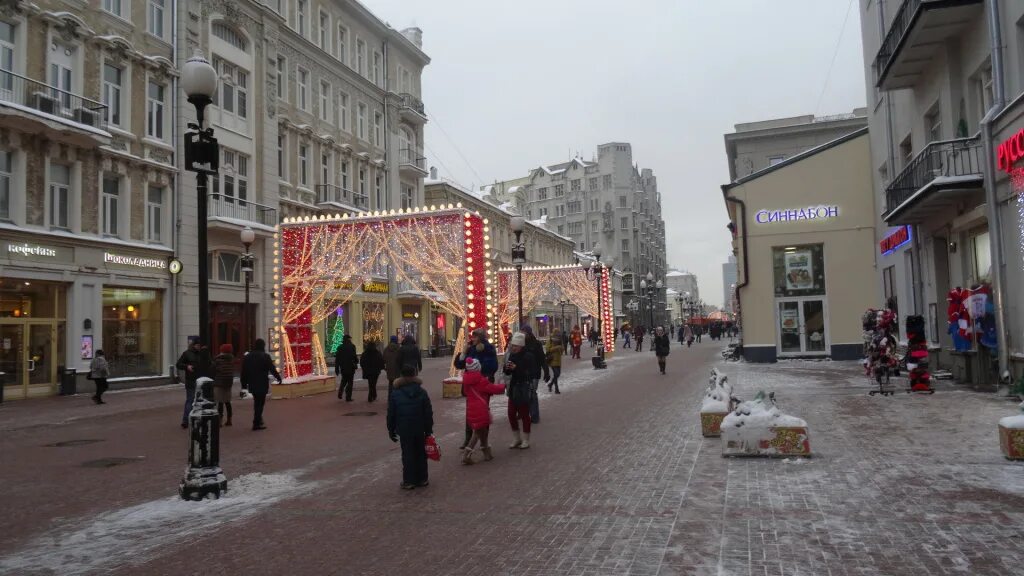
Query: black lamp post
[563, 303]
[679, 300]
[650, 298]
[595, 269]
[199, 80]
[518, 259]
[248, 265]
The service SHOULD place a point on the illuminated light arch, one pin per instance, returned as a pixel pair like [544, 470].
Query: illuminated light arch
[320, 263]
[551, 284]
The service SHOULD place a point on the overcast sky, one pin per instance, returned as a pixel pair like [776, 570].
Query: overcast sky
[513, 85]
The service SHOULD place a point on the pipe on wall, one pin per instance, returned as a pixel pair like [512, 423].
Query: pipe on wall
[743, 249]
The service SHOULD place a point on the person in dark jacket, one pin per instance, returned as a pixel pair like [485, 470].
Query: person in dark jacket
[99, 371]
[485, 353]
[372, 363]
[346, 360]
[193, 363]
[661, 346]
[223, 378]
[519, 365]
[409, 354]
[392, 368]
[411, 420]
[257, 366]
[540, 367]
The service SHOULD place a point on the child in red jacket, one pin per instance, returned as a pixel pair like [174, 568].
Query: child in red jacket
[478, 390]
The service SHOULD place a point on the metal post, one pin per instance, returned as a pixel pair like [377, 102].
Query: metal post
[203, 477]
[519, 290]
[248, 270]
[202, 256]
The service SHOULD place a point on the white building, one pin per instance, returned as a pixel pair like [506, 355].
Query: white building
[728, 283]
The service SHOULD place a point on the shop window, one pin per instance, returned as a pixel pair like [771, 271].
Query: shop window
[373, 322]
[32, 299]
[889, 289]
[799, 270]
[982, 258]
[225, 267]
[132, 331]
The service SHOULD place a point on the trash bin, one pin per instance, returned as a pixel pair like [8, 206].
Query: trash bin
[68, 384]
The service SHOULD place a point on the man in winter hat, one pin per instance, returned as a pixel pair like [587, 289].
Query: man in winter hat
[519, 365]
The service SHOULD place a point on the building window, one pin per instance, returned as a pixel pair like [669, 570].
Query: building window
[985, 92]
[132, 331]
[933, 123]
[906, 151]
[113, 86]
[625, 246]
[156, 18]
[405, 79]
[155, 109]
[378, 65]
[593, 225]
[154, 213]
[362, 183]
[344, 175]
[60, 195]
[559, 190]
[361, 121]
[341, 50]
[773, 160]
[561, 229]
[300, 17]
[302, 75]
[799, 270]
[7, 58]
[592, 183]
[576, 185]
[325, 32]
[624, 223]
[623, 202]
[282, 156]
[325, 101]
[233, 174]
[407, 196]
[303, 165]
[542, 193]
[115, 7]
[575, 207]
[378, 187]
[230, 35]
[225, 267]
[560, 210]
[889, 288]
[543, 212]
[606, 182]
[325, 169]
[361, 57]
[982, 258]
[593, 204]
[111, 200]
[233, 89]
[282, 78]
[5, 184]
[378, 129]
[343, 112]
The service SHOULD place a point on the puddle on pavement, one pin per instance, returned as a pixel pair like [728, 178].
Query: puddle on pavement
[73, 443]
[110, 462]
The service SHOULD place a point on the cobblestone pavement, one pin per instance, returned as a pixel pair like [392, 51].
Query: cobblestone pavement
[618, 481]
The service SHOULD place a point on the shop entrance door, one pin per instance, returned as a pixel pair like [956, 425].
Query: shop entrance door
[28, 364]
[802, 327]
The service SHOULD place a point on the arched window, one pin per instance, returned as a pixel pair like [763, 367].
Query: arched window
[225, 267]
[230, 35]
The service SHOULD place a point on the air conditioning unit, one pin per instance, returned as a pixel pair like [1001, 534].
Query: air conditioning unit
[87, 117]
[44, 102]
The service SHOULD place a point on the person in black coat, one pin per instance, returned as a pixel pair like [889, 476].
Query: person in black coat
[346, 360]
[372, 363]
[411, 420]
[257, 366]
[661, 346]
[519, 367]
[409, 354]
[540, 367]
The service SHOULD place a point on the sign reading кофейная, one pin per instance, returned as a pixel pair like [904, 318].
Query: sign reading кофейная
[796, 214]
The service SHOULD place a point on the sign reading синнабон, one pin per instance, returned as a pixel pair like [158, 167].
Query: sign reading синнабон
[796, 214]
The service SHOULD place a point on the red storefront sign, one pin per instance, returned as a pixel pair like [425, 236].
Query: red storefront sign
[898, 238]
[1010, 151]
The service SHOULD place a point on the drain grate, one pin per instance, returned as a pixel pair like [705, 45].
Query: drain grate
[360, 414]
[110, 462]
[71, 443]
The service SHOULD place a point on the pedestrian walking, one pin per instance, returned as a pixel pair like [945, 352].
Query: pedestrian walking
[638, 334]
[99, 371]
[697, 331]
[392, 368]
[540, 367]
[223, 379]
[682, 339]
[346, 360]
[372, 363]
[577, 341]
[626, 337]
[519, 365]
[409, 354]
[193, 363]
[257, 367]
[661, 346]
[554, 360]
[478, 390]
[480, 349]
[410, 420]
[688, 335]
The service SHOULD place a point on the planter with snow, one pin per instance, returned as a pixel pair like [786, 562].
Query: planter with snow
[716, 405]
[1011, 436]
[452, 387]
[758, 428]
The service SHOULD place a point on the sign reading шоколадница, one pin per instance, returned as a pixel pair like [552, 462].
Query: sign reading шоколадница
[796, 214]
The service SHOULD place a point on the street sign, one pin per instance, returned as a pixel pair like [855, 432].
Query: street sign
[633, 305]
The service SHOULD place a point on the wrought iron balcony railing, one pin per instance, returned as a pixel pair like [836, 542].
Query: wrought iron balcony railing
[945, 158]
[330, 193]
[222, 206]
[46, 99]
[410, 157]
[897, 30]
[413, 103]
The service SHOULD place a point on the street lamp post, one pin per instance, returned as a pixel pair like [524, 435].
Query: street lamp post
[597, 268]
[679, 300]
[563, 302]
[650, 299]
[248, 266]
[518, 259]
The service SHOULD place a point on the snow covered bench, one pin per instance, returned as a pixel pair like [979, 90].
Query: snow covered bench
[716, 405]
[758, 428]
[1011, 436]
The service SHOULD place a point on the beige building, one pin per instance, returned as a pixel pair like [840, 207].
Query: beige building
[804, 234]
[948, 207]
[87, 185]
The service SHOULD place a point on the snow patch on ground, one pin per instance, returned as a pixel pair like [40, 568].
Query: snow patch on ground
[132, 535]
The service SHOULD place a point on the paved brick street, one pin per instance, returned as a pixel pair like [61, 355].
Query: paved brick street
[618, 481]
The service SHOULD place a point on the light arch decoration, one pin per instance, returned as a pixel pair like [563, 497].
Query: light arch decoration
[321, 262]
[551, 284]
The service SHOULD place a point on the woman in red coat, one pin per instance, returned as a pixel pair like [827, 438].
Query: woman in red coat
[478, 390]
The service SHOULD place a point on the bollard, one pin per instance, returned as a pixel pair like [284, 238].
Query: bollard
[203, 477]
[598, 359]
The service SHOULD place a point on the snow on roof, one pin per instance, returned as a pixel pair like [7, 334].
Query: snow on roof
[514, 189]
[541, 221]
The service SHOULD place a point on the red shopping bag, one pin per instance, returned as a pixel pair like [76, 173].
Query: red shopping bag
[433, 450]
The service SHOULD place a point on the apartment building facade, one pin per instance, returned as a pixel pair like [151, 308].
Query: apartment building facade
[947, 195]
[608, 201]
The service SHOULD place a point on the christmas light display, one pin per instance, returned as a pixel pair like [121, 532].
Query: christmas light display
[551, 284]
[1017, 182]
[439, 254]
[337, 331]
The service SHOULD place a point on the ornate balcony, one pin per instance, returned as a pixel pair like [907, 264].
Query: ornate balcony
[411, 163]
[237, 212]
[411, 109]
[917, 33]
[943, 174]
[41, 108]
[330, 196]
